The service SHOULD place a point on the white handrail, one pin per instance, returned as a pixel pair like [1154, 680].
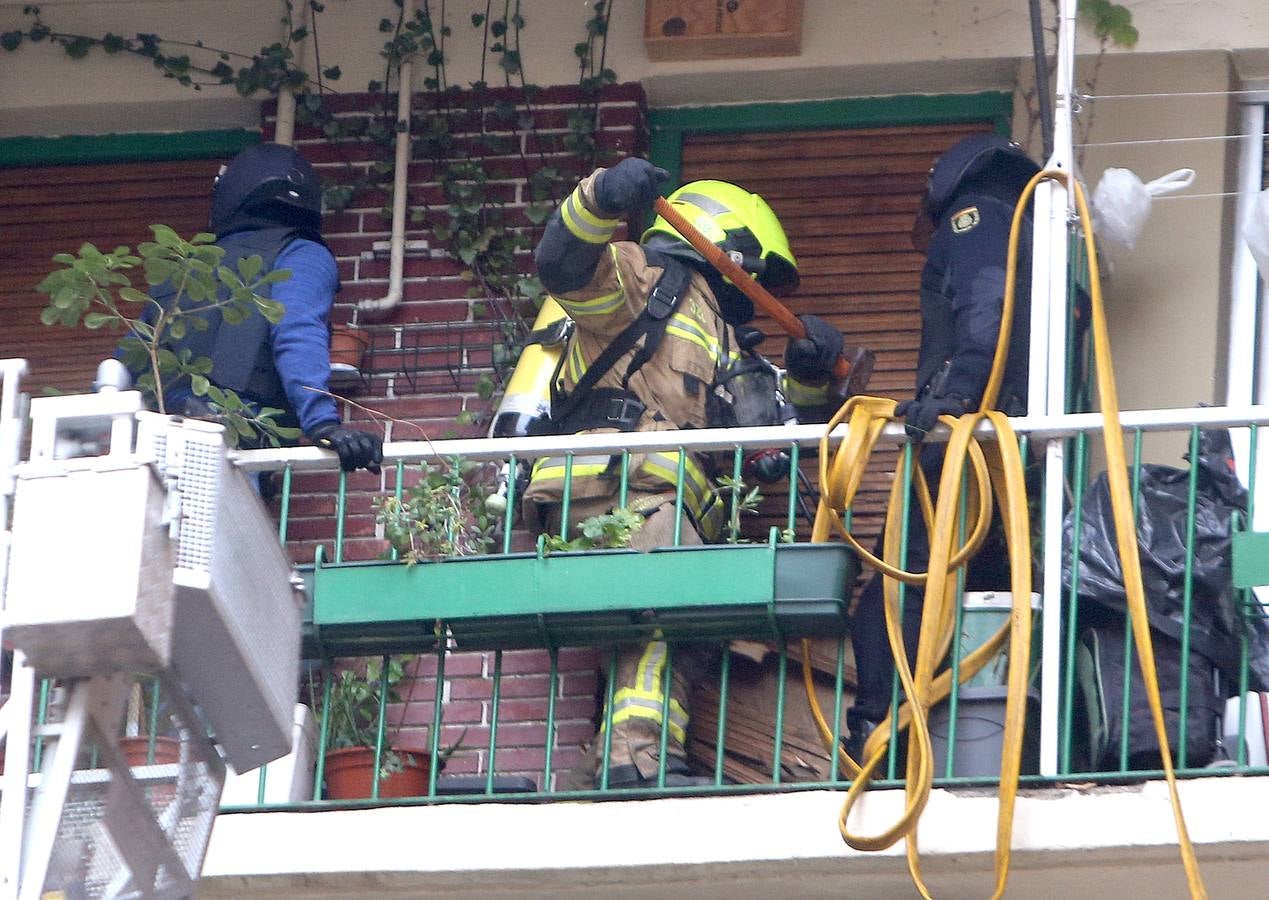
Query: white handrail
[1036, 427]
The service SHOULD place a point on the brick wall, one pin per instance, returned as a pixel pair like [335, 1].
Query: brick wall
[427, 355]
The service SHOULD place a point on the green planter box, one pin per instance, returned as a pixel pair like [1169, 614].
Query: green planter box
[570, 599]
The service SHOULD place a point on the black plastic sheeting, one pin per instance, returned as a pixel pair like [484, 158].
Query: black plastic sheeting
[1216, 622]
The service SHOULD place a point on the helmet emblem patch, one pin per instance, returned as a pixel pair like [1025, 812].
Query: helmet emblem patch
[965, 220]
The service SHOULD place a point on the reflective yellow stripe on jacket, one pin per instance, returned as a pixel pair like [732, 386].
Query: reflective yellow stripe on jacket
[699, 498]
[584, 224]
[646, 698]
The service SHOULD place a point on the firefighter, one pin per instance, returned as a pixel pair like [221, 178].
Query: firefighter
[268, 201]
[963, 228]
[656, 348]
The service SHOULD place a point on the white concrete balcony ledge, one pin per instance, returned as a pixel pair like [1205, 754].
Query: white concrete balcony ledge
[1102, 841]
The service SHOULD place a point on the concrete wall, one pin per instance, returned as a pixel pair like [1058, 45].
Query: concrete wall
[849, 49]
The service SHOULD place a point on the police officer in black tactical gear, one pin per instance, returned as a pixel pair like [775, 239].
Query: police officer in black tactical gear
[268, 202]
[963, 227]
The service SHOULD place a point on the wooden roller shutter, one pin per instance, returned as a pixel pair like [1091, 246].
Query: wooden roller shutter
[847, 198]
[54, 209]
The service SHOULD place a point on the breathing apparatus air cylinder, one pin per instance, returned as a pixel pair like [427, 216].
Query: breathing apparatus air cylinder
[526, 404]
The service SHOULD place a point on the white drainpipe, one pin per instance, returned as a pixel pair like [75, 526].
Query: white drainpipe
[402, 171]
[284, 127]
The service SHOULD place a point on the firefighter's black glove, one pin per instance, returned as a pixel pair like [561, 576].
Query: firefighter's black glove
[356, 449]
[630, 185]
[920, 416]
[810, 359]
[768, 465]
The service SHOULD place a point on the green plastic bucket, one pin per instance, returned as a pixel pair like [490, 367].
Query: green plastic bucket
[983, 614]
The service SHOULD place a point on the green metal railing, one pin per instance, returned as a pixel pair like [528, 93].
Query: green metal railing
[488, 776]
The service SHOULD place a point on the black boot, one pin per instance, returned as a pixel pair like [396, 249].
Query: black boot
[677, 774]
[860, 730]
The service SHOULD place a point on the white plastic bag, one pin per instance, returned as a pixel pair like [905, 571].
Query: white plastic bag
[1121, 203]
[1256, 232]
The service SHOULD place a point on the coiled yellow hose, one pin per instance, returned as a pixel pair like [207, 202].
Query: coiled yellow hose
[995, 473]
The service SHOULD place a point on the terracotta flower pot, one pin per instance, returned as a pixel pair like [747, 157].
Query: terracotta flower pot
[350, 773]
[167, 750]
[347, 347]
[136, 750]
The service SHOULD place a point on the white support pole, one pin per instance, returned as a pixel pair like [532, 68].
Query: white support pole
[19, 709]
[1052, 242]
[1247, 369]
[50, 796]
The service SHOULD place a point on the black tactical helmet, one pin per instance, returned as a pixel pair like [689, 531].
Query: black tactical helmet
[972, 156]
[265, 173]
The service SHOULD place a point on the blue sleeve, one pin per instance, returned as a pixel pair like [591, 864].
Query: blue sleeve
[977, 245]
[301, 341]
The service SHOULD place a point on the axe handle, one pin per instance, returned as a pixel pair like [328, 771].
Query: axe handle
[740, 278]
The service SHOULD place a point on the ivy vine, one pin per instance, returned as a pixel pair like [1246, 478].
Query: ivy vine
[470, 136]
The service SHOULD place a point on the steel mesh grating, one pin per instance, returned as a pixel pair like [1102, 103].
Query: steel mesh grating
[98, 833]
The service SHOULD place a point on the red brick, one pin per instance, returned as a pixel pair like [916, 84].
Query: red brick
[577, 658]
[465, 664]
[464, 764]
[573, 733]
[518, 686]
[534, 710]
[579, 684]
[461, 712]
[413, 267]
[521, 662]
[471, 689]
[313, 505]
[519, 735]
[620, 115]
[341, 223]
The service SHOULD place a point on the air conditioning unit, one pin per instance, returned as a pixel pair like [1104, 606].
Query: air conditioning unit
[236, 629]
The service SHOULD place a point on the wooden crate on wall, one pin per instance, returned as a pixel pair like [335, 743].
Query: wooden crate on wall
[717, 29]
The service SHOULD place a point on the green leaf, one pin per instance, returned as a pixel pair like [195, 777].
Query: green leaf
[484, 387]
[132, 295]
[199, 385]
[250, 267]
[158, 270]
[166, 236]
[96, 320]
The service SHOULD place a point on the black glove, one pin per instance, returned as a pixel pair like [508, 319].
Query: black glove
[356, 449]
[630, 185]
[768, 465]
[810, 359]
[920, 416]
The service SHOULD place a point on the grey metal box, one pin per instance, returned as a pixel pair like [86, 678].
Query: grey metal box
[236, 642]
[89, 590]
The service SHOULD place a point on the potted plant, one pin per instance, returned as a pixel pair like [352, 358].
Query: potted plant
[353, 715]
[442, 514]
[348, 344]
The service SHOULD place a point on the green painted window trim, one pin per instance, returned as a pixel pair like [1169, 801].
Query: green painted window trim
[141, 147]
[668, 126]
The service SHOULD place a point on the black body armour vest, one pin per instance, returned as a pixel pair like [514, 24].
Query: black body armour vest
[241, 354]
[938, 336]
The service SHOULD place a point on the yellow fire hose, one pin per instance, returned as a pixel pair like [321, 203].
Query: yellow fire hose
[995, 472]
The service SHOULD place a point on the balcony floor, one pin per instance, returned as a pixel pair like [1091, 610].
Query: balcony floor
[1068, 841]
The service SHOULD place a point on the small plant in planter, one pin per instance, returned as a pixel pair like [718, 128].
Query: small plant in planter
[442, 514]
[604, 532]
[354, 730]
